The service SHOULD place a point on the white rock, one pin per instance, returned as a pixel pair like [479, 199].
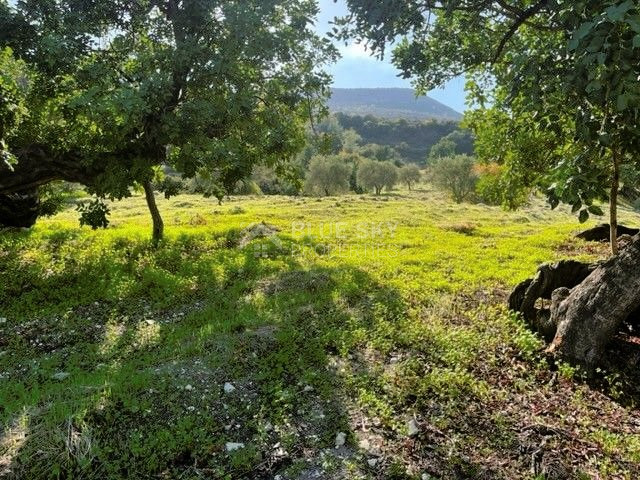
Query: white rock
[149, 322]
[341, 439]
[188, 387]
[413, 428]
[268, 427]
[60, 375]
[228, 388]
[3, 320]
[307, 388]
[426, 476]
[372, 462]
[231, 446]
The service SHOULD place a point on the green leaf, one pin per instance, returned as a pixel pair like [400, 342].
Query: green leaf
[616, 12]
[576, 206]
[636, 41]
[595, 210]
[584, 216]
[622, 102]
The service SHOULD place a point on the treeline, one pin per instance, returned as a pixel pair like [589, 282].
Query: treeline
[412, 140]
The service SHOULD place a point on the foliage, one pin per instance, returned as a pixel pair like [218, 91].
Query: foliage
[94, 213]
[493, 187]
[328, 175]
[458, 142]
[14, 87]
[409, 175]
[377, 175]
[127, 86]
[455, 175]
[412, 140]
[564, 68]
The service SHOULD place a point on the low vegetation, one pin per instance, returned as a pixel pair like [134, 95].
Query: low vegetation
[260, 330]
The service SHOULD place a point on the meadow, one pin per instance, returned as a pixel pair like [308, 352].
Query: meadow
[355, 337]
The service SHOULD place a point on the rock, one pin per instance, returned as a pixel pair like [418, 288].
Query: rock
[231, 446]
[268, 427]
[150, 322]
[60, 376]
[188, 388]
[413, 428]
[341, 439]
[372, 462]
[307, 388]
[3, 320]
[229, 388]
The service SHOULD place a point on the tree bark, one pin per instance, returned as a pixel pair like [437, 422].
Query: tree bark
[589, 315]
[158, 224]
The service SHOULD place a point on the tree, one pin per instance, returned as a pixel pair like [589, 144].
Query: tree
[409, 175]
[455, 175]
[377, 175]
[123, 87]
[328, 175]
[445, 147]
[562, 70]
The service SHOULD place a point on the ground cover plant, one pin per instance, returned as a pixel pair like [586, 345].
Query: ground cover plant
[358, 336]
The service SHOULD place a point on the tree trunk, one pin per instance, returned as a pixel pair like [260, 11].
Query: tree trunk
[613, 204]
[589, 315]
[19, 209]
[158, 224]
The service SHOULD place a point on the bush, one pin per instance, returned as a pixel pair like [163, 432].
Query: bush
[328, 175]
[494, 188]
[409, 175]
[456, 175]
[270, 183]
[377, 175]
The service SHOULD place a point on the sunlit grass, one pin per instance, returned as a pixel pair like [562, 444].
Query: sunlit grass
[387, 306]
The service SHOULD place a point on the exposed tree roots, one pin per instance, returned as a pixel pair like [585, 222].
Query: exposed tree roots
[588, 304]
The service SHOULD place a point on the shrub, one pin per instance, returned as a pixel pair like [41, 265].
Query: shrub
[456, 175]
[328, 175]
[494, 188]
[409, 175]
[377, 175]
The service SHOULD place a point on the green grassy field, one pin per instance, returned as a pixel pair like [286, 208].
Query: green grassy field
[221, 355]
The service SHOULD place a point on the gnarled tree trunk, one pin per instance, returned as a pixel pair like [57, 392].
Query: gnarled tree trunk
[588, 303]
[588, 316]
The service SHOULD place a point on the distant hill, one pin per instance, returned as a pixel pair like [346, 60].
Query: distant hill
[389, 103]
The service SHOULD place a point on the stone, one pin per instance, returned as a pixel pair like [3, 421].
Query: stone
[60, 376]
[341, 439]
[229, 388]
[413, 428]
[231, 446]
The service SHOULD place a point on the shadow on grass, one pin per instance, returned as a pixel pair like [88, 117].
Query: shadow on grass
[209, 362]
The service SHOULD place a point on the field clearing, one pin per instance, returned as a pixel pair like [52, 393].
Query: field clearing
[221, 355]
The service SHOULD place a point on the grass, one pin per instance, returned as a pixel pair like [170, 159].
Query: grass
[356, 314]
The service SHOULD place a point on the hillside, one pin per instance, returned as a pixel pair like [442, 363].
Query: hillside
[412, 139]
[389, 103]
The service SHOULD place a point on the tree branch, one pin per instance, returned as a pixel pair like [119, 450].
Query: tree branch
[522, 19]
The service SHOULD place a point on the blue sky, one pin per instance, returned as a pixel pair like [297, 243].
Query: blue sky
[358, 69]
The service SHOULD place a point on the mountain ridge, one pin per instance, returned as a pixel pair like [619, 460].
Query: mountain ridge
[391, 103]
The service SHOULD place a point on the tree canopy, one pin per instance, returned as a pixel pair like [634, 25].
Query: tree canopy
[116, 88]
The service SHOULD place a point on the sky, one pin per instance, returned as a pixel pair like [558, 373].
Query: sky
[357, 68]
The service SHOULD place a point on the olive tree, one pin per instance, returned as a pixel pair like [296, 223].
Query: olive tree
[376, 175]
[122, 87]
[409, 175]
[455, 175]
[328, 175]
